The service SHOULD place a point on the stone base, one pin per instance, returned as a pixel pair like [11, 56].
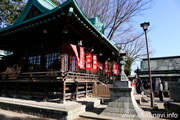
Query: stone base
[121, 84]
[123, 104]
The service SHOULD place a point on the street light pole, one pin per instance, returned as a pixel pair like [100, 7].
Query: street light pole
[145, 26]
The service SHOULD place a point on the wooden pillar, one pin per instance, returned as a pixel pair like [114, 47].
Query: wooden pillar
[4, 90]
[29, 91]
[86, 94]
[63, 100]
[45, 93]
[62, 57]
[95, 89]
[15, 91]
[76, 91]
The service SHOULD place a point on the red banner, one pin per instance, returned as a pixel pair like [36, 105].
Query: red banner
[106, 67]
[94, 62]
[81, 58]
[76, 53]
[115, 68]
[88, 61]
[100, 65]
[110, 68]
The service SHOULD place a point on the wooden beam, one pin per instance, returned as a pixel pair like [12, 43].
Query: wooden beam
[63, 100]
[29, 91]
[76, 91]
[45, 93]
[4, 90]
[86, 90]
[15, 91]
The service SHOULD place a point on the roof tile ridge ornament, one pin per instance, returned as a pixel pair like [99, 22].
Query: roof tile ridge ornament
[42, 5]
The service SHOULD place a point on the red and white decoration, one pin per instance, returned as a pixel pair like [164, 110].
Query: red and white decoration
[110, 68]
[76, 53]
[88, 61]
[115, 68]
[94, 62]
[106, 67]
[81, 58]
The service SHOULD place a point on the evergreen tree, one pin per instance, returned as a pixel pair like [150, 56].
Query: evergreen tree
[10, 10]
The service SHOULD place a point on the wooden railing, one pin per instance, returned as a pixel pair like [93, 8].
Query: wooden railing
[102, 90]
[80, 77]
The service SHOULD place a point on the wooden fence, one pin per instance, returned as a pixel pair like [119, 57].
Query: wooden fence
[102, 90]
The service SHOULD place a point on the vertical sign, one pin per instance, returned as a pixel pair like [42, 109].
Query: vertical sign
[81, 58]
[88, 61]
[115, 68]
[94, 62]
[106, 67]
[76, 53]
[110, 68]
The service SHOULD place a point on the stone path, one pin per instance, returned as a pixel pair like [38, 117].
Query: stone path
[90, 115]
[94, 114]
[9, 115]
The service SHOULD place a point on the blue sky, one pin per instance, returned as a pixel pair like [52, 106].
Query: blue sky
[164, 18]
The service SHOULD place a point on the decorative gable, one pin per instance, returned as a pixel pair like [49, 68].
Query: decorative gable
[34, 8]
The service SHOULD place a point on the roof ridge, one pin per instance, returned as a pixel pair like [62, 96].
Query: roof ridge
[42, 5]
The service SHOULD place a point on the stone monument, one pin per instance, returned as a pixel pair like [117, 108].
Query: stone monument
[122, 102]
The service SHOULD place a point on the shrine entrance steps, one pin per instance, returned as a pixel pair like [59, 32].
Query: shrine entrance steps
[67, 111]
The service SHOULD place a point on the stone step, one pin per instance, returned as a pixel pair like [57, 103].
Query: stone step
[68, 111]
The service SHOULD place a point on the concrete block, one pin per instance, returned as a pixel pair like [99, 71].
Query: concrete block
[108, 114]
[107, 109]
[120, 105]
[115, 104]
[113, 114]
[131, 106]
[126, 105]
[127, 111]
[110, 104]
[122, 110]
[115, 110]
[122, 99]
[111, 109]
[132, 111]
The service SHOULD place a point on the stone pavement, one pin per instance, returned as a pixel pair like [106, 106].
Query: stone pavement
[89, 114]
[160, 113]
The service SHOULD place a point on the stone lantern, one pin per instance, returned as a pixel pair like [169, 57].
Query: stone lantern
[122, 100]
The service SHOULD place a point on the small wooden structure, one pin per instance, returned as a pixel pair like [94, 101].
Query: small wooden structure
[40, 41]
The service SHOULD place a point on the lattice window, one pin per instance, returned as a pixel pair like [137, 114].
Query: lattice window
[65, 62]
[73, 65]
[35, 60]
[51, 60]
